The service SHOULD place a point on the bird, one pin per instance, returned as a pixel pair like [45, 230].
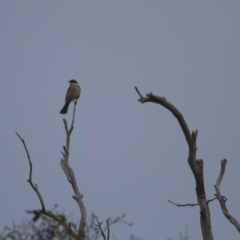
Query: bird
[73, 93]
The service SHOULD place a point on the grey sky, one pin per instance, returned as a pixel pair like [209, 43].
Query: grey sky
[127, 157]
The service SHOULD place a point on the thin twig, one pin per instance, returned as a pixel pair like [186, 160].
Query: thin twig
[190, 204]
[163, 101]
[34, 186]
[141, 96]
[108, 229]
[222, 200]
[99, 225]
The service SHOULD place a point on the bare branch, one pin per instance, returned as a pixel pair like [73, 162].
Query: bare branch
[190, 204]
[108, 229]
[222, 171]
[73, 116]
[141, 96]
[99, 225]
[222, 200]
[71, 178]
[184, 205]
[34, 186]
[78, 197]
[163, 101]
[195, 165]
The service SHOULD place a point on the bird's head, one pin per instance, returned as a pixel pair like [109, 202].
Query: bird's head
[73, 81]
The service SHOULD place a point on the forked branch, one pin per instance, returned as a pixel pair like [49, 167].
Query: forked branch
[195, 165]
[78, 197]
[222, 200]
[72, 180]
[35, 188]
[99, 225]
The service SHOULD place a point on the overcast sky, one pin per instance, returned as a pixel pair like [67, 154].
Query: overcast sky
[127, 157]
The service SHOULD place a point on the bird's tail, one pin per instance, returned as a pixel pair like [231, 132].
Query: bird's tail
[65, 108]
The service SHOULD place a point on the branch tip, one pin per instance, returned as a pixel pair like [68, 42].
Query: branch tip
[140, 95]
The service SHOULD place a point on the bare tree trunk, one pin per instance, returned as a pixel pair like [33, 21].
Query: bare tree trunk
[195, 164]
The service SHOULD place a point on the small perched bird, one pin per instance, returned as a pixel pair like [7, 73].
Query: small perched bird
[73, 93]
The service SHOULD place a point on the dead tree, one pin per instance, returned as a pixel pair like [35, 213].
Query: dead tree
[196, 166]
[78, 197]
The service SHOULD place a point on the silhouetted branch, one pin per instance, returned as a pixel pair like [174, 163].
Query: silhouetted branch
[71, 178]
[222, 200]
[35, 188]
[195, 165]
[68, 133]
[190, 204]
[99, 225]
[108, 229]
[78, 197]
[163, 101]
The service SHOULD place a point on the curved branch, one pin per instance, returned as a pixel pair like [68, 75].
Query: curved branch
[163, 101]
[222, 200]
[35, 188]
[195, 165]
[71, 178]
